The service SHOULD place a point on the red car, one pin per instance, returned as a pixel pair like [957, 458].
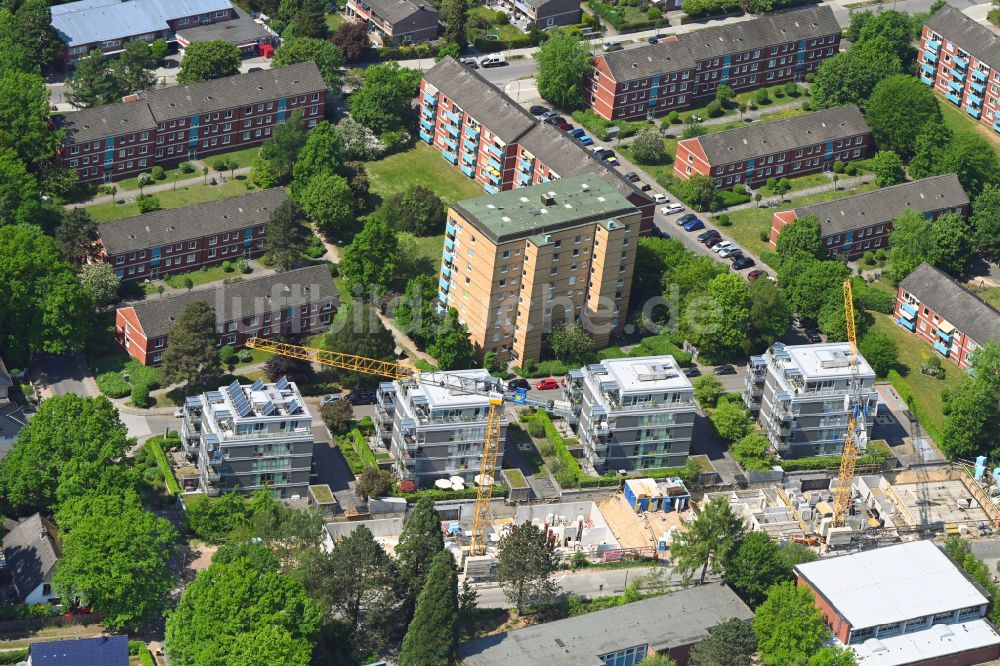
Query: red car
[546, 384]
[755, 275]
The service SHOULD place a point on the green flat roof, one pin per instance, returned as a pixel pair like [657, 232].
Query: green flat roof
[546, 207]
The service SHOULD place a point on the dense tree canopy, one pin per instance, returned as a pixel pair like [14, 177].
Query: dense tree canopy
[371, 258]
[358, 330]
[382, 103]
[732, 643]
[802, 235]
[329, 204]
[432, 637]
[209, 60]
[932, 139]
[721, 331]
[417, 209]
[451, 347]
[711, 539]
[286, 235]
[789, 626]
[24, 117]
[985, 221]
[756, 566]
[564, 65]
[850, 77]
[322, 152]
[525, 566]
[191, 351]
[899, 108]
[328, 57]
[769, 316]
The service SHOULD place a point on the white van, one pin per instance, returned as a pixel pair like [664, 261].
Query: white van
[492, 60]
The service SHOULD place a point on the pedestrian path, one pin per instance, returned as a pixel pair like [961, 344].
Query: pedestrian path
[841, 184]
[130, 195]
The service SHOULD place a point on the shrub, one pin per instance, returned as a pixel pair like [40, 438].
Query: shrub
[851, 169]
[158, 173]
[227, 354]
[243, 265]
[155, 446]
[227, 267]
[714, 108]
[881, 255]
[791, 89]
[245, 356]
[810, 77]
[868, 258]
[778, 93]
[536, 429]
[147, 203]
[761, 96]
[133, 647]
[220, 164]
[838, 167]
[393, 140]
[113, 385]
[723, 220]
[764, 237]
[185, 167]
[140, 396]
[13, 656]
[674, 118]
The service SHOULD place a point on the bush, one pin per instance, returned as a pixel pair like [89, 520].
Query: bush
[761, 96]
[723, 220]
[714, 109]
[732, 198]
[13, 656]
[394, 140]
[243, 265]
[185, 167]
[245, 356]
[227, 267]
[868, 258]
[838, 167]
[791, 89]
[778, 93]
[764, 237]
[851, 169]
[810, 77]
[674, 118]
[227, 354]
[220, 164]
[147, 203]
[113, 385]
[155, 447]
[881, 255]
[158, 173]
[140, 396]
[536, 429]
[599, 126]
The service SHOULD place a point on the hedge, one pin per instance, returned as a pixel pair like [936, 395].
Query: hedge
[346, 447]
[146, 657]
[155, 445]
[24, 612]
[362, 449]
[730, 198]
[543, 369]
[113, 385]
[13, 656]
[871, 457]
[534, 38]
[661, 345]
[438, 495]
[903, 389]
[598, 126]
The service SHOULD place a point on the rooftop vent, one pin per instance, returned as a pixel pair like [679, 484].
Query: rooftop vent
[259, 88]
[523, 199]
[833, 358]
[549, 199]
[652, 372]
[585, 187]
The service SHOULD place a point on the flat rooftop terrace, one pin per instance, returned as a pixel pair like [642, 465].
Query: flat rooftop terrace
[646, 374]
[826, 361]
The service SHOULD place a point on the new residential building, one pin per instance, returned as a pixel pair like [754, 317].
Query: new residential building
[297, 302]
[395, 22]
[153, 245]
[494, 141]
[960, 58]
[683, 71]
[250, 437]
[542, 14]
[945, 314]
[851, 226]
[436, 427]
[170, 125]
[635, 413]
[800, 395]
[518, 263]
[903, 604]
[780, 149]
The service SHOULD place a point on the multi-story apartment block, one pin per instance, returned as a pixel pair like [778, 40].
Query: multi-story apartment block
[542, 14]
[851, 226]
[683, 71]
[945, 314]
[635, 413]
[519, 262]
[395, 22]
[250, 437]
[169, 125]
[780, 149]
[485, 133]
[106, 25]
[800, 393]
[960, 59]
[436, 427]
[163, 242]
[292, 303]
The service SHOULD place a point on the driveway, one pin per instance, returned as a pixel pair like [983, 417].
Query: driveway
[59, 375]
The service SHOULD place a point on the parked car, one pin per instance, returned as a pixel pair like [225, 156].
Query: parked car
[755, 275]
[692, 372]
[329, 399]
[601, 153]
[566, 127]
[546, 384]
[655, 38]
[672, 209]
[255, 69]
[536, 110]
[585, 140]
[659, 233]
[470, 62]
[611, 47]
[661, 198]
[630, 176]
[721, 245]
[545, 115]
[492, 60]
[611, 160]
[554, 120]
[361, 397]
[725, 370]
[686, 218]
[518, 383]
[645, 187]
[577, 133]
[694, 225]
[744, 262]
[711, 233]
[713, 241]
[726, 251]
[813, 336]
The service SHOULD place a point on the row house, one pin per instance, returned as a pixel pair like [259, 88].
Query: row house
[780, 149]
[851, 226]
[542, 14]
[107, 25]
[492, 140]
[164, 242]
[293, 303]
[959, 59]
[683, 71]
[169, 125]
[945, 314]
[395, 22]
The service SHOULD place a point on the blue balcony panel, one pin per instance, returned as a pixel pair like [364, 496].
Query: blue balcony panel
[974, 112]
[996, 125]
[469, 170]
[930, 57]
[495, 164]
[954, 99]
[957, 75]
[907, 323]
[443, 297]
[941, 348]
[978, 87]
[977, 74]
[451, 143]
[944, 336]
[524, 178]
[907, 307]
[524, 164]
[975, 100]
[453, 117]
[495, 150]
[444, 285]
[494, 178]
[452, 130]
[426, 137]
[927, 68]
[469, 145]
[962, 64]
[932, 45]
[956, 86]
[432, 100]
[449, 228]
[926, 79]
[446, 257]
[426, 124]
[472, 131]
[446, 271]
[489, 188]
[449, 243]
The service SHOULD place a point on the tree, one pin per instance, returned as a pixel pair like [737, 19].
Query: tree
[100, 283]
[809, 284]
[419, 544]
[329, 204]
[147, 203]
[564, 65]
[972, 159]
[647, 147]
[134, 69]
[373, 483]
[34, 31]
[788, 625]
[912, 244]
[75, 236]
[370, 260]
[382, 103]
[91, 83]
[321, 153]
[710, 539]
[357, 330]
[451, 347]
[802, 235]
[972, 421]
[880, 351]
[732, 643]
[191, 353]
[209, 60]
[328, 57]
[929, 147]
[416, 209]
[24, 116]
[722, 331]
[116, 560]
[723, 94]
[431, 639]
[263, 173]
[286, 141]
[888, 168]
[796, 553]
[571, 343]
[286, 235]
[751, 452]
[454, 16]
[62, 451]
[756, 566]
[159, 50]
[337, 417]
[416, 312]
[242, 610]
[310, 20]
[985, 221]
[707, 390]
[731, 420]
[953, 248]
[850, 77]
[526, 562]
[19, 200]
[891, 31]
[769, 314]
[897, 110]
[293, 369]
[657, 659]
[449, 50]
[699, 192]
[352, 39]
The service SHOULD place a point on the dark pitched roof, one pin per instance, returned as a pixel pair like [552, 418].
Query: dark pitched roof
[103, 121]
[397, 11]
[714, 42]
[235, 31]
[949, 299]
[761, 139]
[480, 99]
[98, 651]
[175, 225]
[240, 300]
[970, 35]
[31, 551]
[12, 419]
[580, 640]
[883, 206]
[5, 380]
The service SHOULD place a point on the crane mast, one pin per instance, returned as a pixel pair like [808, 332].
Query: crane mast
[855, 428]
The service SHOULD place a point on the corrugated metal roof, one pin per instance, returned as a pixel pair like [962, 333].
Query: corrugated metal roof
[89, 21]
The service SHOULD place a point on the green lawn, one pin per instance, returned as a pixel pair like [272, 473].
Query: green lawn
[243, 158]
[334, 21]
[804, 182]
[182, 196]
[129, 184]
[422, 165]
[421, 256]
[958, 121]
[732, 109]
[210, 274]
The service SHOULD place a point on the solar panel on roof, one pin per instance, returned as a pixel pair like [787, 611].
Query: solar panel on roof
[244, 409]
[269, 408]
[257, 385]
[293, 406]
[282, 383]
[235, 386]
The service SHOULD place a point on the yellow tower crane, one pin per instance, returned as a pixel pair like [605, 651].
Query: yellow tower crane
[855, 425]
[392, 370]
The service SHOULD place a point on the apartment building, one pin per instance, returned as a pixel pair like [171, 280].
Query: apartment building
[249, 36]
[799, 394]
[395, 22]
[436, 427]
[908, 603]
[851, 226]
[517, 263]
[944, 314]
[683, 71]
[107, 25]
[491, 139]
[960, 58]
[250, 437]
[780, 149]
[635, 413]
[170, 125]
[542, 14]
[297, 302]
[153, 245]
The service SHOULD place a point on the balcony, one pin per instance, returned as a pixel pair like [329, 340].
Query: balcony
[472, 131]
[426, 138]
[427, 124]
[495, 164]
[489, 188]
[957, 86]
[449, 243]
[430, 100]
[962, 63]
[452, 130]
[445, 271]
[946, 337]
[524, 165]
[954, 99]
[453, 117]
[930, 71]
[974, 112]
[444, 285]
[975, 100]
[451, 143]
[469, 170]
[469, 145]
[978, 87]
[932, 45]
[496, 150]
[957, 75]
[524, 179]
[996, 125]
[941, 348]
[443, 297]
[979, 74]
[930, 57]
[451, 157]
